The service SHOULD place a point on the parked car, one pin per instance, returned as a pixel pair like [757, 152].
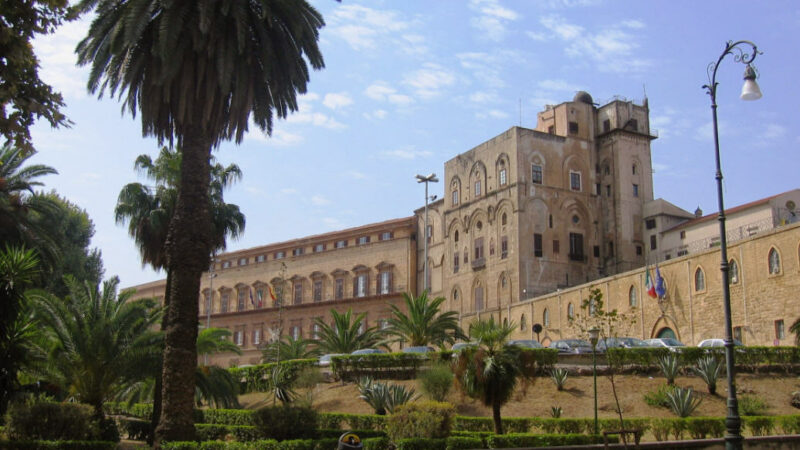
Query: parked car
[462, 345]
[421, 349]
[717, 343]
[325, 360]
[367, 351]
[619, 342]
[668, 343]
[571, 346]
[526, 343]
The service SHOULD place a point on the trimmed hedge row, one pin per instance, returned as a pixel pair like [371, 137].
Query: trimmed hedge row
[269, 444]
[256, 378]
[58, 445]
[749, 359]
[377, 365]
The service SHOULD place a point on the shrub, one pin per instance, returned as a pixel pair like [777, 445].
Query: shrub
[384, 397]
[437, 382]
[135, 429]
[182, 445]
[107, 430]
[704, 427]
[658, 397]
[752, 405]
[210, 432]
[556, 411]
[308, 377]
[708, 368]
[286, 422]
[58, 445]
[463, 443]
[226, 416]
[420, 444]
[559, 377]
[259, 378]
[517, 440]
[43, 420]
[670, 367]
[378, 443]
[565, 426]
[789, 424]
[760, 425]
[682, 401]
[421, 420]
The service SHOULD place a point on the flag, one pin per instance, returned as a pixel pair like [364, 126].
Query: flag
[661, 290]
[648, 283]
[260, 297]
[271, 293]
[252, 302]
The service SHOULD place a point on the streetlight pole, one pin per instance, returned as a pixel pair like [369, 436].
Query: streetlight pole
[211, 276]
[594, 333]
[423, 179]
[750, 91]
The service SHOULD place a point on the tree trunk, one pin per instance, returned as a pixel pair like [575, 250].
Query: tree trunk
[188, 249]
[157, 399]
[498, 422]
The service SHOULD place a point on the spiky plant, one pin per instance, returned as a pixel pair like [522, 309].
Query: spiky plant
[281, 384]
[682, 401]
[709, 369]
[559, 377]
[384, 397]
[670, 367]
[555, 412]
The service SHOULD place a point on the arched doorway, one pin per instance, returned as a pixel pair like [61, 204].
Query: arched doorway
[666, 332]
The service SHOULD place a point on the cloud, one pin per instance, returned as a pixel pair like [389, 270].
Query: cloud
[558, 85]
[279, 138]
[492, 19]
[318, 200]
[406, 153]
[382, 91]
[356, 175]
[483, 97]
[56, 53]
[774, 131]
[413, 44]
[333, 223]
[660, 168]
[484, 67]
[378, 114]
[288, 191]
[429, 81]
[539, 37]
[364, 28]
[305, 115]
[334, 100]
[493, 114]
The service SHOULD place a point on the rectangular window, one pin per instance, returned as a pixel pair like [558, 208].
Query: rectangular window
[556, 246]
[223, 303]
[479, 298]
[226, 264]
[575, 181]
[737, 333]
[653, 244]
[650, 224]
[361, 285]
[635, 190]
[503, 247]
[455, 263]
[386, 235]
[576, 246]
[280, 255]
[598, 189]
[780, 331]
[296, 332]
[298, 251]
[608, 190]
[363, 240]
[240, 300]
[596, 251]
[606, 126]
[537, 245]
[455, 197]
[478, 248]
[242, 261]
[536, 174]
[339, 294]
[257, 336]
[315, 331]
[318, 290]
[319, 248]
[298, 293]
[683, 234]
[385, 282]
[573, 128]
[260, 258]
[683, 252]
[638, 250]
[239, 337]
[634, 124]
[551, 130]
[341, 244]
[429, 233]
[477, 188]
[610, 249]
[503, 177]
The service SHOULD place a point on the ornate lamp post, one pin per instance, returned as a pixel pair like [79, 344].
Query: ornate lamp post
[750, 91]
[429, 179]
[594, 333]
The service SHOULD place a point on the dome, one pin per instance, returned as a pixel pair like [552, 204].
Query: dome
[584, 97]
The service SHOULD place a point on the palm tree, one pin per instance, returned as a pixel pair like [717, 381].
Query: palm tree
[18, 269]
[422, 324]
[346, 334]
[97, 342]
[290, 348]
[489, 371]
[795, 328]
[199, 72]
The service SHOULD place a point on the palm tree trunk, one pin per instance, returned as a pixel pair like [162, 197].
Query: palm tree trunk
[498, 421]
[157, 398]
[188, 248]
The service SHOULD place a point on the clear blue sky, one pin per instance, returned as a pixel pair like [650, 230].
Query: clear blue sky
[410, 84]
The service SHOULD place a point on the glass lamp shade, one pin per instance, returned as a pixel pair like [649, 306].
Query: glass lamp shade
[594, 334]
[750, 90]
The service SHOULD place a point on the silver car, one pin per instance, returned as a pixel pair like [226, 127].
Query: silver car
[673, 345]
[526, 343]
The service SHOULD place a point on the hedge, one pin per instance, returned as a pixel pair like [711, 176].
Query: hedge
[749, 359]
[58, 445]
[257, 378]
[516, 440]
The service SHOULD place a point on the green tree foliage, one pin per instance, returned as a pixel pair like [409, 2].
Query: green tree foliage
[795, 328]
[97, 341]
[345, 335]
[199, 72]
[24, 97]
[423, 323]
[489, 371]
[289, 348]
[18, 269]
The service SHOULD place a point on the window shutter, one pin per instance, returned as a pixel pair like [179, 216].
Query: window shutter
[355, 286]
[391, 283]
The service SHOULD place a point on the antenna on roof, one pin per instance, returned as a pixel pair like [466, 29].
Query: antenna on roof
[520, 111]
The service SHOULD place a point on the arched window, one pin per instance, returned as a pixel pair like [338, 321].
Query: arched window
[455, 187]
[455, 237]
[478, 298]
[523, 323]
[546, 317]
[733, 272]
[632, 301]
[504, 219]
[570, 311]
[774, 262]
[699, 280]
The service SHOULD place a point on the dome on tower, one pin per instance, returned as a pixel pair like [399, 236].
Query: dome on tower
[583, 97]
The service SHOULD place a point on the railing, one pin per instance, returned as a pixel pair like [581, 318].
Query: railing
[478, 263]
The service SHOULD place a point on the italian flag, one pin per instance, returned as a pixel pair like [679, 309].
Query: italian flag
[648, 283]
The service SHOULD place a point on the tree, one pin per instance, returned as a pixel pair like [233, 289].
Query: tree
[97, 342]
[422, 323]
[795, 328]
[490, 370]
[198, 72]
[24, 97]
[290, 348]
[18, 269]
[346, 334]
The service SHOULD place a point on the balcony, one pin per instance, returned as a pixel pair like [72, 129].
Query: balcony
[578, 257]
[478, 263]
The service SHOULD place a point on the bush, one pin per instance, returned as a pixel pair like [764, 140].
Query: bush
[421, 420]
[709, 368]
[705, 427]
[107, 430]
[517, 440]
[760, 425]
[137, 430]
[259, 378]
[559, 377]
[226, 416]
[210, 432]
[658, 398]
[463, 442]
[57, 445]
[670, 367]
[437, 382]
[377, 443]
[377, 365]
[752, 405]
[384, 397]
[682, 401]
[309, 377]
[50, 421]
[789, 424]
[420, 444]
[286, 422]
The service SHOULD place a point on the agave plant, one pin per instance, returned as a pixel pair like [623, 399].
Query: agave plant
[709, 368]
[682, 401]
[556, 411]
[281, 383]
[670, 367]
[384, 397]
[559, 377]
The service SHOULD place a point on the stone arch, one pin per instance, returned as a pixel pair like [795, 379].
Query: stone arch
[774, 261]
[664, 322]
[734, 271]
[455, 191]
[633, 297]
[477, 180]
[478, 295]
[504, 289]
[502, 164]
[699, 279]
[456, 299]
[575, 163]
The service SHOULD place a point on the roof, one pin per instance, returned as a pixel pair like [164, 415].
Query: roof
[660, 206]
[730, 211]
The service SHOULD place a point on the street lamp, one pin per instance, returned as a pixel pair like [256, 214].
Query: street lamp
[750, 91]
[211, 276]
[594, 333]
[429, 179]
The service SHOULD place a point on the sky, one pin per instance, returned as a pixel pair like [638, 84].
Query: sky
[411, 84]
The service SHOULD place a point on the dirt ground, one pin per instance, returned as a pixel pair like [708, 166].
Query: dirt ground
[576, 400]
